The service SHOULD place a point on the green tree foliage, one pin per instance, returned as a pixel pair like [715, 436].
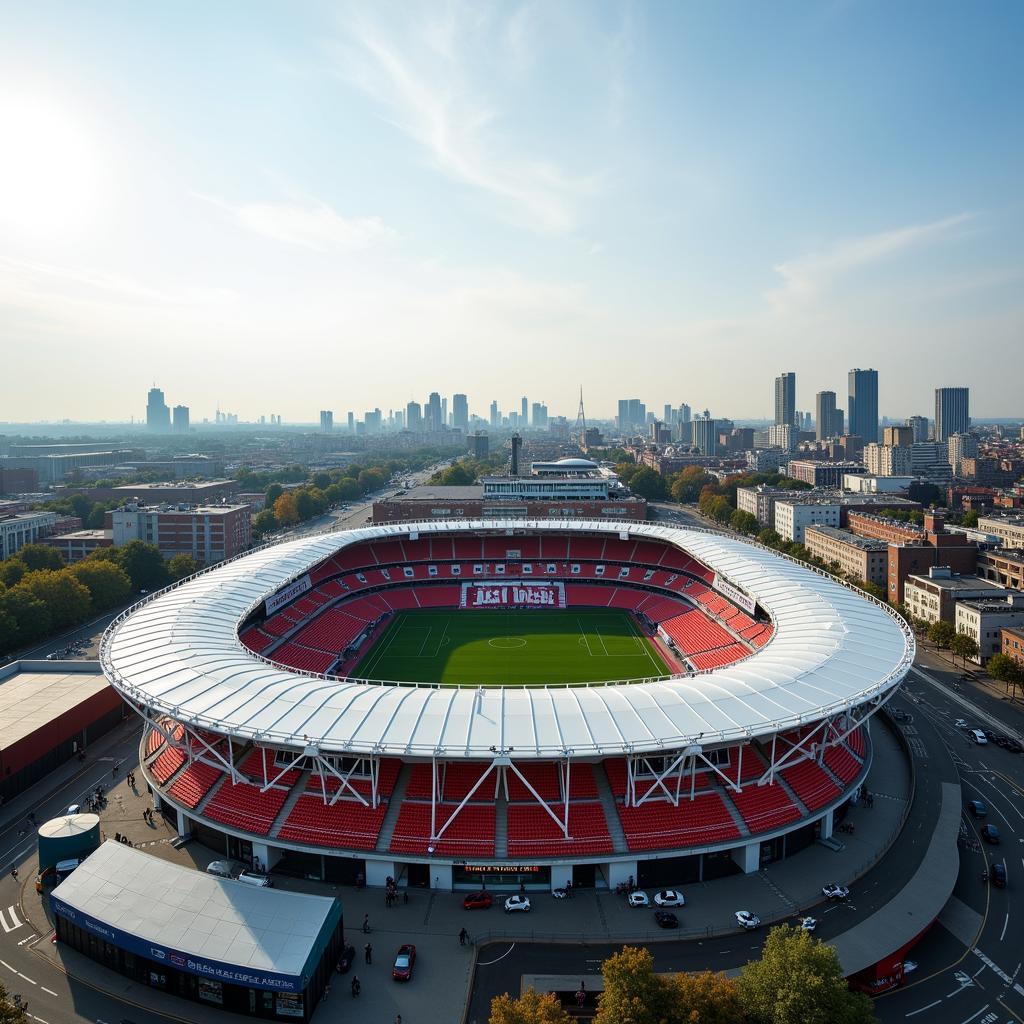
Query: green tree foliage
[964, 646]
[30, 615]
[530, 1008]
[9, 1014]
[648, 483]
[66, 597]
[108, 584]
[371, 480]
[181, 565]
[286, 511]
[970, 518]
[265, 522]
[799, 980]
[348, 489]
[705, 998]
[744, 522]
[770, 538]
[11, 570]
[687, 484]
[941, 633]
[274, 491]
[143, 564]
[1004, 669]
[633, 993]
[40, 556]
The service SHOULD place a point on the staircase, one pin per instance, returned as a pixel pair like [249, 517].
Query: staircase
[387, 829]
[286, 808]
[501, 825]
[737, 818]
[611, 814]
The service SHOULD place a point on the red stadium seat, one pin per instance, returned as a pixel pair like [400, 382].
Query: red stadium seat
[657, 825]
[765, 807]
[532, 832]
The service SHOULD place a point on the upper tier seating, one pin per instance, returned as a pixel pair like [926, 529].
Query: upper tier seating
[842, 764]
[657, 825]
[261, 760]
[811, 784]
[305, 659]
[542, 775]
[194, 783]
[855, 741]
[693, 632]
[332, 630]
[167, 763]
[244, 806]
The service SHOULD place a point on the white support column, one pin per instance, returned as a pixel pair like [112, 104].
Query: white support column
[266, 854]
[377, 872]
[183, 824]
[561, 875]
[748, 857]
[441, 877]
[827, 825]
[620, 871]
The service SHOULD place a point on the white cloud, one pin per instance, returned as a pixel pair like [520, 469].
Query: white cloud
[312, 224]
[807, 277]
[422, 79]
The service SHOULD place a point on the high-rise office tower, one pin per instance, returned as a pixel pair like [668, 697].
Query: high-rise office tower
[460, 412]
[539, 415]
[158, 416]
[444, 412]
[705, 434]
[952, 412]
[351, 422]
[523, 412]
[919, 425]
[181, 419]
[432, 412]
[622, 419]
[495, 414]
[785, 399]
[862, 404]
[669, 416]
[413, 416]
[326, 421]
[825, 415]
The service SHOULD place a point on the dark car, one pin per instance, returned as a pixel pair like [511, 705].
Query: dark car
[666, 919]
[1013, 746]
[991, 736]
[977, 808]
[348, 954]
[990, 834]
[997, 873]
[477, 901]
[404, 961]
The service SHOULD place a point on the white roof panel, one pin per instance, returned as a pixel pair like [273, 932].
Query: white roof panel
[833, 648]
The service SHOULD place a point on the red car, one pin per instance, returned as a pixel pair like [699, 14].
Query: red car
[404, 962]
[477, 901]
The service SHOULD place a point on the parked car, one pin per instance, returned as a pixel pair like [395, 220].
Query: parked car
[256, 878]
[74, 808]
[669, 898]
[638, 899]
[990, 834]
[404, 962]
[348, 954]
[224, 868]
[977, 808]
[1013, 746]
[517, 904]
[807, 924]
[909, 966]
[997, 875]
[477, 901]
[961, 723]
[666, 919]
[979, 737]
[835, 891]
[745, 919]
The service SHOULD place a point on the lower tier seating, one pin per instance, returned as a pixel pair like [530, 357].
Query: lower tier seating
[811, 783]
[194, 783]
[348, 823]
[657, 825]
[243, 806]
[471, 834]
[765, 807]
[532, 833]
[167, 763]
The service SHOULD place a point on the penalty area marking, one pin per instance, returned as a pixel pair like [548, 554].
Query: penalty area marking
[506, 642]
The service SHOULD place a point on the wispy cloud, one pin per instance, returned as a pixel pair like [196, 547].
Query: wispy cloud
[309, 223]
[423, 79]
[808, 276]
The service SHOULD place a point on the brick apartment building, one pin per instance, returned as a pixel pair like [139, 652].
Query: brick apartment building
[859, 557]
[209, 533]
[1003, 566]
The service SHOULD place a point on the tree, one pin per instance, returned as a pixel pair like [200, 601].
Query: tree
[9, 1013]
[705, 998]
[286, 511]
[144, 565]
[965, 646]
[181, 565]
[743, 522]
[265, 522]
[274, 491]
[633, 993]
[348, 489]
[648, 483]
[770, 538]
[373, 480]
[941, 633]
[66, 597]
[108, 584]
[31, 615]
[1003, 668]
[971, 518]
[8, 629]
[799, 980]
[40, 556]
[11, 571]
[688, 484]
[530, 1008]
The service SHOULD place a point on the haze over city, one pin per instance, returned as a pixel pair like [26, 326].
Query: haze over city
[305, 207]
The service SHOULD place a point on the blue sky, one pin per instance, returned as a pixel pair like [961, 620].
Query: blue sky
[290, 207]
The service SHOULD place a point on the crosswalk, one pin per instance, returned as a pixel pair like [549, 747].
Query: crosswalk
[9, 920]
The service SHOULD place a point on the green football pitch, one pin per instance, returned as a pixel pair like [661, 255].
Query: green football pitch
[499, 647]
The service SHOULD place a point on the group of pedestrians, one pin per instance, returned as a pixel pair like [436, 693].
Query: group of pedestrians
[391, 893]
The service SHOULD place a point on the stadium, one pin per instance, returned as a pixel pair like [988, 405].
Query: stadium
[509, 702]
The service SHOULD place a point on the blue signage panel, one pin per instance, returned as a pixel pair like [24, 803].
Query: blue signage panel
[231, 973]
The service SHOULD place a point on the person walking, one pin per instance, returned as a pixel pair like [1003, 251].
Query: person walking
[368, 953]
[14, 873]
[366, 924]
[463, 935]
[355, 985]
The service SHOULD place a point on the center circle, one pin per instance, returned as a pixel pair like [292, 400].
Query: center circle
[506, 642]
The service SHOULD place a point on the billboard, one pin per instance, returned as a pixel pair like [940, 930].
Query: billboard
[292, 591]
[733, 593]
[513, 594]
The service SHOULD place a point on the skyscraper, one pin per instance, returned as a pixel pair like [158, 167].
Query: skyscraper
[181, 419]
[460, 412]
[785, 399]
[495, 414]
[158, 416]
[919, 425]
[705, 434]
[825, 414]
[413, 416]
[523, 420]
[432, 412]
[326, 421]
[351, 422]
[952, 412]
[862, 404]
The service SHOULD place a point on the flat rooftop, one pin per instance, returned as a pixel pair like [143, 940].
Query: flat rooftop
[254, 931]
[30, 700]
[864, 543]
[957, 583]
[429, 492]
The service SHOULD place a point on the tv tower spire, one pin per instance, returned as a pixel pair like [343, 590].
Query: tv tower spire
[580, 429]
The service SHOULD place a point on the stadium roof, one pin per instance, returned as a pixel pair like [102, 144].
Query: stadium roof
[832, 649]
[262, 932]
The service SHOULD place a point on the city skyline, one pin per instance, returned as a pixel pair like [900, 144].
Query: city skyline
[367, 197]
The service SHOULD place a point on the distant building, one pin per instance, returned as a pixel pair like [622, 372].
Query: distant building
[862, 404]
[933, 597]
[952, 412]
[1010, 529]
[158, 416]
[868, 483]
[792, 517]
[479, 444]
[460, 412]
[180, 419]
[897, 437]
[785, 399]
[828, 419]
[1004, 566]
[918, 428]
[705, 435]
[930, 459]
[326, 421]
[961, 446]
[18, 481]
[820, 473]
[80, 544]
[887, 460]
[985, 620]
[1012, 643]
[209, 533]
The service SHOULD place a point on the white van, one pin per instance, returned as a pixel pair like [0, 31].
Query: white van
[979, 737]
[65, 867]
[255, 878]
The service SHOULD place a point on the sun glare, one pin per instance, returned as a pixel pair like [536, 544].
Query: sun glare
[49, 174]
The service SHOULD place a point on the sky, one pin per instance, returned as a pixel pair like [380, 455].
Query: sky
[285, 207]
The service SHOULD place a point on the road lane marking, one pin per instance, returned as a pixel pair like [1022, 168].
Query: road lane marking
[27, 978]
[995, 968]
[938, 1002]
[968, 1020]
[49, 991]
[1006, 921]
[502, 957]
[16, 922]
[8, 966]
